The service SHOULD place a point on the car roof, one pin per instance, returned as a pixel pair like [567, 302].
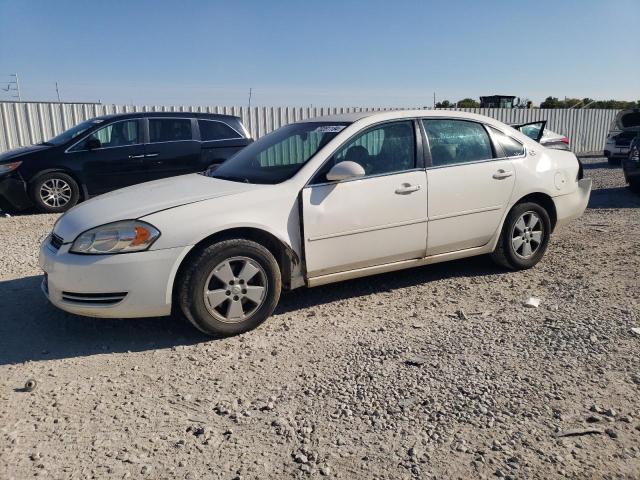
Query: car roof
[398, 114]
[212, 116]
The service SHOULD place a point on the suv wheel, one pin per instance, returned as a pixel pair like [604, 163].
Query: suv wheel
[524, 237]
[54, 192]
[230, 287]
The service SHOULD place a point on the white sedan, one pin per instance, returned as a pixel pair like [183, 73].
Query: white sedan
[315, 202]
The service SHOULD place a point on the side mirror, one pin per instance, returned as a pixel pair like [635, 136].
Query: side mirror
[345, 171]
[93, 143]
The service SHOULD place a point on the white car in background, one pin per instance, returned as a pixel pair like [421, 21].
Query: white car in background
[315, 202]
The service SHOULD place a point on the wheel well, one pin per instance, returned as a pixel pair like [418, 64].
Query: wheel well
[546, 202]
[83, 191]
[284, 255]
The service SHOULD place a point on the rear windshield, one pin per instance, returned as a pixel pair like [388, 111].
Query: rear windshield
[278, 156]
[630, 120]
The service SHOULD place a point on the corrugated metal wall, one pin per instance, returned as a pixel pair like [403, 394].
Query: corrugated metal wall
[27, 123]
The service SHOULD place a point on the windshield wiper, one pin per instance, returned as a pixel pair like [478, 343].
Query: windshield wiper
[48, 144]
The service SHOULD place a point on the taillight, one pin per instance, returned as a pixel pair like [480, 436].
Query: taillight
[580, 170]
[565, 140]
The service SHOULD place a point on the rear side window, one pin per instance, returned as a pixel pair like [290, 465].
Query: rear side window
[457, 141]
[510, 146]
[169, 129]
[214, 130]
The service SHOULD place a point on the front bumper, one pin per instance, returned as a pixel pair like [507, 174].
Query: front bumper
[573, 205]
[631, 169]
[13, 193]
[110, 286]
[612, 151]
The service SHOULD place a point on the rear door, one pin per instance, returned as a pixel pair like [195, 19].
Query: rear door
[533, 130]
[470, 184]
[172, 148]
[118, 159]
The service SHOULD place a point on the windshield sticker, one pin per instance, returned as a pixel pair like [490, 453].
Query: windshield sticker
[330, 128]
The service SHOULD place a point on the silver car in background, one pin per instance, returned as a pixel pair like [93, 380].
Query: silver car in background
[624, 128]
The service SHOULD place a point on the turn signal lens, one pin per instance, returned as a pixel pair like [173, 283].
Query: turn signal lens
[9, 167]
[119, 237]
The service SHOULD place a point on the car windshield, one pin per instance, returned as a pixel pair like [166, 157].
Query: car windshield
[73, 132]
[279, 155]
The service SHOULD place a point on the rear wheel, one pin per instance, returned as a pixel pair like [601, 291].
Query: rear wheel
[54, 192]
[634, 185]
[230, 287]
[613, 161]
[524, 238]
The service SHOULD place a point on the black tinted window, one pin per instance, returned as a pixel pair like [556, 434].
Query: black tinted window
[118, 134]
[213, 130]
[457, 141]
[510, 146]
[169, 129]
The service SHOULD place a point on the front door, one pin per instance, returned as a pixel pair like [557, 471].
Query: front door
[112, 157]
[376, 219]
[470, 185]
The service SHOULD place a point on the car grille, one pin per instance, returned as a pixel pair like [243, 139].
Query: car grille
[56, 241]
[97, 299]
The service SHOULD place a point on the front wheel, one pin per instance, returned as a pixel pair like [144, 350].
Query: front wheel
[54, 192]
[524, 238]
[230, 287]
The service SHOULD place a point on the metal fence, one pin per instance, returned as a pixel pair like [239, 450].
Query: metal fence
[27, 123]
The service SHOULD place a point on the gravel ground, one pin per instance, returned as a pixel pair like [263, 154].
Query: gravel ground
[434, 372]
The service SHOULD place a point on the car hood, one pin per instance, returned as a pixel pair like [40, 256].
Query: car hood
[144, 199]
[17, 152]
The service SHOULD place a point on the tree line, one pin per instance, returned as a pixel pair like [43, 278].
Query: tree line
[551, 102]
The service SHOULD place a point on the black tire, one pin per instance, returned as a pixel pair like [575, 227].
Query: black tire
[68, 197]
[200, 271]
[505, 254]
[613, 161]
[634, 185]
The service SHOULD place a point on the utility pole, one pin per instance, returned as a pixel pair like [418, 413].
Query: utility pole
[250, 91]
[57, 91]
[14, 86]
[434, 100]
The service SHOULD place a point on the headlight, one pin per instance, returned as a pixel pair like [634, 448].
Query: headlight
[9, 167]
[118, 237]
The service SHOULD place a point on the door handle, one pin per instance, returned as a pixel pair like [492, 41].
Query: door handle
[148, 155]
[407, 188]
[136, 156]
[501, 174]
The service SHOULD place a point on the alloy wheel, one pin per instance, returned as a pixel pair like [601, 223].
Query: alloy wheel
[55, 192]
[235, 289]
[527, 235]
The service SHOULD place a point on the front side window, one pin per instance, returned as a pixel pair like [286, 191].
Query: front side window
[118, 134]
[510, 146]
[279, 155]
[457, 141]
[387, 148]
[169, 129]
[214, 130]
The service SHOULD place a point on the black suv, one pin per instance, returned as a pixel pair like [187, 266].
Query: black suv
[115, 151]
